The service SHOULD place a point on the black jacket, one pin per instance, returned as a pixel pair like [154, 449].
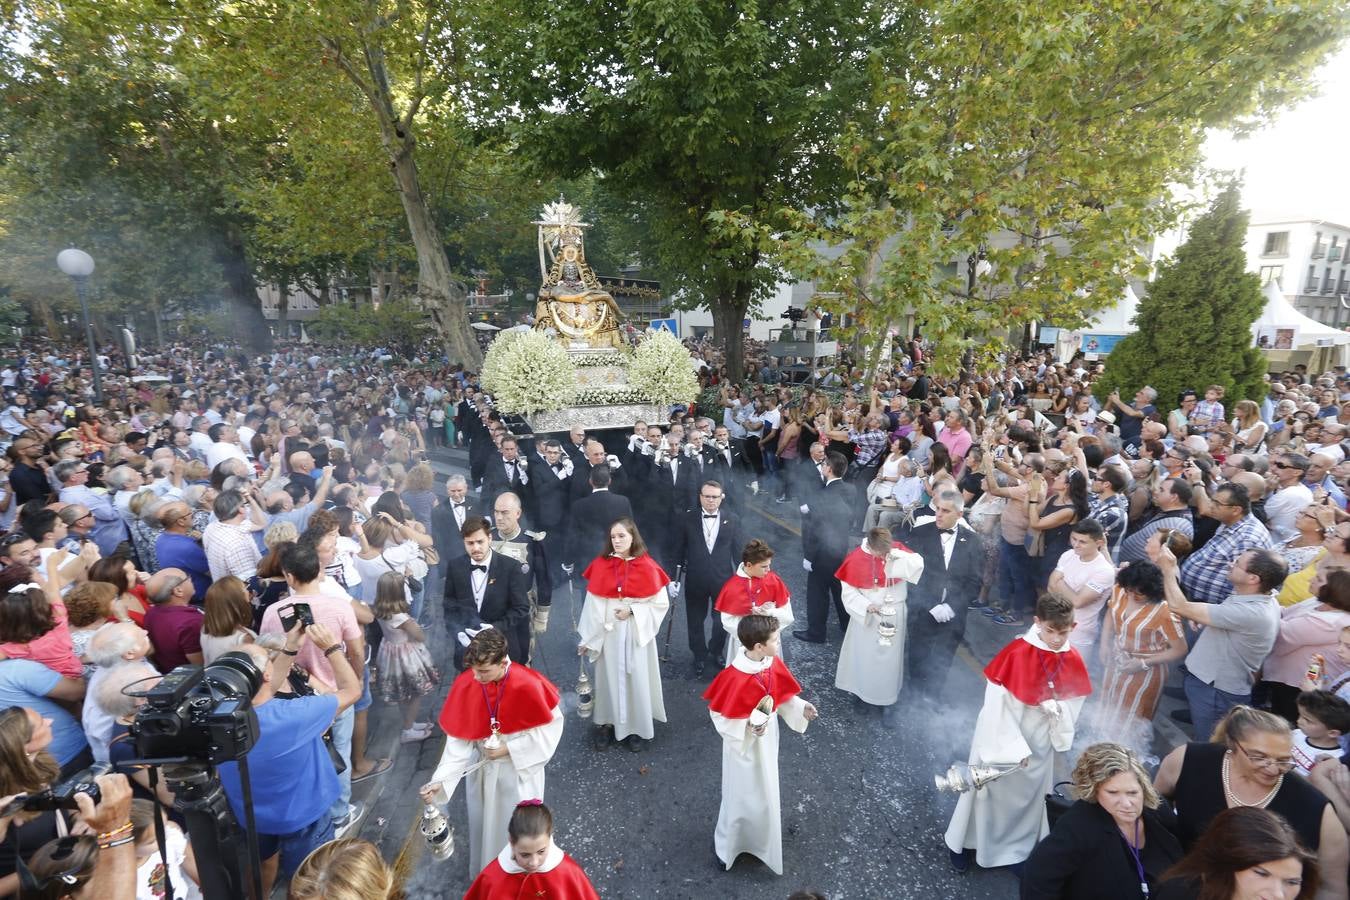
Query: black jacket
[591, 519]
[825, 538]
[445, 530]
[1085, 856]
[581, 480]
[961, 580]
[506, 605]
[548, 495]
[497, 482]
[706, 572]
[674, 493]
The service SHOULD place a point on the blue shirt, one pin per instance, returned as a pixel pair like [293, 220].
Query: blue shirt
[110, 529]
[27, 683]
[291, 773]
[178, 551]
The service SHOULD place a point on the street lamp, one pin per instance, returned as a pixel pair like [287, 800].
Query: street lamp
[79, 266]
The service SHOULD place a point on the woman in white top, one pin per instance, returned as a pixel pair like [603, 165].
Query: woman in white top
[1084, 575]
[1249, 432]
[882, 487]
[388, 545]
[228, 617]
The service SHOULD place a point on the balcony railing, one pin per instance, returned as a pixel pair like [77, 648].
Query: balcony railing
[1334, 253]
[1319, 251]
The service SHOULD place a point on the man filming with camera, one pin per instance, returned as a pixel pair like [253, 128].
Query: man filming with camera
[293, 778]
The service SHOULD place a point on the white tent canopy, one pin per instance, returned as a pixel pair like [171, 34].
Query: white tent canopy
[1279, 312]
[1116, 319]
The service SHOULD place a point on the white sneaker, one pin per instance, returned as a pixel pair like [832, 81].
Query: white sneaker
[354, 813]
[416, 733]
[754, 487]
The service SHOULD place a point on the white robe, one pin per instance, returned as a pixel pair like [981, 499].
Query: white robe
[750, 819]
[731, 622]
[493, 791]
[1004, 820]
[869, 671]
[627, 668]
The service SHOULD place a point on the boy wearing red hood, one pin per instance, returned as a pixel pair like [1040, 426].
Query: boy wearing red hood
[1035, 692]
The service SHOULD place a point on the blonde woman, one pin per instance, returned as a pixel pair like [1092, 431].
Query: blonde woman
[1112, 842]
[344, 870]
[1249, 432]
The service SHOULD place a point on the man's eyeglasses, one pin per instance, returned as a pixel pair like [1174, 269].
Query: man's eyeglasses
[1261, 761]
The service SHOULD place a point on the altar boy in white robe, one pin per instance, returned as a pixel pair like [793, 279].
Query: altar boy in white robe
[753, 590]
[502, 725]
[874, 581]
[745, 700]
[1034, 693]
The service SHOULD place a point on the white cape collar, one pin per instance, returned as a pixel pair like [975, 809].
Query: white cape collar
[552, 859]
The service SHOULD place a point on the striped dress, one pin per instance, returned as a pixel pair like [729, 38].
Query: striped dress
[1129, 699]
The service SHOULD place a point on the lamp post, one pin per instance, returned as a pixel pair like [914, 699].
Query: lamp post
[79, 266]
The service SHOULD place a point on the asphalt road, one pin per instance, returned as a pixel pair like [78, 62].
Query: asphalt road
[861, 818]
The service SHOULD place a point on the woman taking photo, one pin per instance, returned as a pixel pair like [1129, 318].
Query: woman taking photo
[626, 599]
[1051, 513]
[1246, 854]
[1249, 764]
[1113, 843]
[1179, 419]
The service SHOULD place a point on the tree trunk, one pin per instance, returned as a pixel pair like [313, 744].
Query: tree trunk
[728, 311]
[442, 296]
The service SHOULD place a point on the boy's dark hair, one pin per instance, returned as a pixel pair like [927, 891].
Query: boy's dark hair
[1054, 610]
[754, 630]
[486, 648]
[1327, 708]
[756, 551]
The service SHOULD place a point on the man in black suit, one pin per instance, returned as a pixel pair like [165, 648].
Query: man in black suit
[447, 519]
[953, 566]
[575, 446]
[505, 471]
[596, 456]
[825, 543]
[552, 471]
[727, 465]
[592, 517]
[487, 588]
[708, 544]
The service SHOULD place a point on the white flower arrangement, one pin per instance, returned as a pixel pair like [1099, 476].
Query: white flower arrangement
[527, 372]
[660, 369]
[597, 360]
[608, 396]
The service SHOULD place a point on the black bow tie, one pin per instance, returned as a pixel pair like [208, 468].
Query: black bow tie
[710, 515]
[557, 467]
[478, 568]
[946, 531]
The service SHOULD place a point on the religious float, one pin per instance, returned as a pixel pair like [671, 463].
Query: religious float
[579, 366]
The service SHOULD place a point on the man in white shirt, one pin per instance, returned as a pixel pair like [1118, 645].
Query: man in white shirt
[224, 445]
[1290, 498]
[200, 441]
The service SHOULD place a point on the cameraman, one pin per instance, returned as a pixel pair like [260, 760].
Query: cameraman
[292, 776]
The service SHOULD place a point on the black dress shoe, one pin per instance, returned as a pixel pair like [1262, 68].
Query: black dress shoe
[960, 861]
[805, 636]
[696, 669]
[633, 743]
[602, 737]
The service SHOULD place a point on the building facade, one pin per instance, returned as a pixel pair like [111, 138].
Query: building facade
[1310, 261]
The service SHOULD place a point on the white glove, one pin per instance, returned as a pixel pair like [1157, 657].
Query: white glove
[942, 613]
[805, 509]
[806, 564]
[675, 588]
[613, 461]
[647, 449]
[633, 441]
[690, 451]
[523, 463]
[1050, 708]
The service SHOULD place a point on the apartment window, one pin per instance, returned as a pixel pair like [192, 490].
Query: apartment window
[1326, 281]
[1312, 280]
[1340, 283]
[1271, 273]
[1277, 244]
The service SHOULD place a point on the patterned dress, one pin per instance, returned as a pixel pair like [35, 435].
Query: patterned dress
[1128, 699]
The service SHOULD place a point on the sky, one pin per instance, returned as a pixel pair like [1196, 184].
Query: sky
[1295, 166]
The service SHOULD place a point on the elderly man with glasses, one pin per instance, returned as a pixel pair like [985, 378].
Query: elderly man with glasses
[173, 623]
[175, 548]
[109, 529]
[1291, 494]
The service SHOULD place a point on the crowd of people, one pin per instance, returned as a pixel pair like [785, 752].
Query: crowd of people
[279, 512]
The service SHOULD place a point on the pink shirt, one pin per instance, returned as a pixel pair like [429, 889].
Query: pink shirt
[1305, 630]
[957, 444]
[53, 649]
[336, 614]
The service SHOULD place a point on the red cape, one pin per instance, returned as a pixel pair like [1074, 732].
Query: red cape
[740, 592]
[1025, 671]
[865, 571]
[528, 699]
[565, 882]
[734, 693]
[609, 576]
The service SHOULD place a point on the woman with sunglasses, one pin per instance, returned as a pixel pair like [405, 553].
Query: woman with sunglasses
[1249, 764]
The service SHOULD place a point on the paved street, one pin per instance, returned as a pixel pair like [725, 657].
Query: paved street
[861, 818]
